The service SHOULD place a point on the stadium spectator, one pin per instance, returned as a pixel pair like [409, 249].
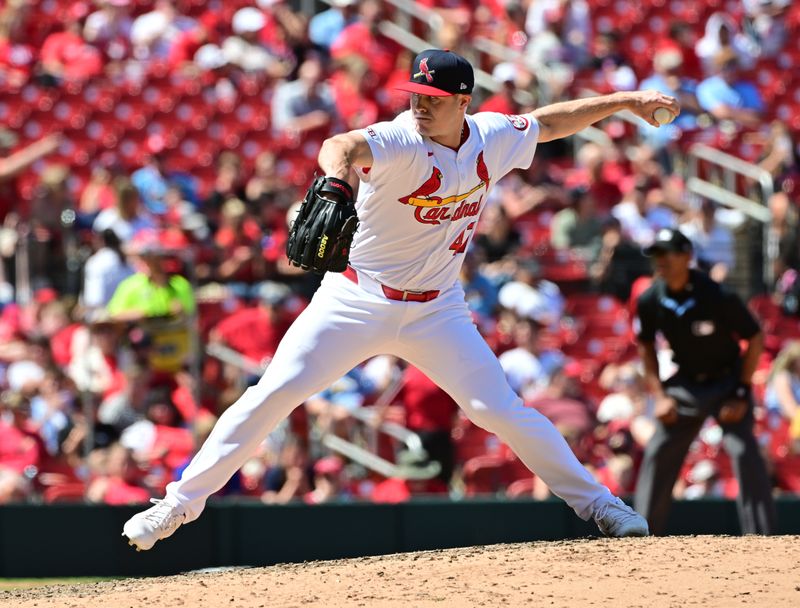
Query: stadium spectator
[304, 108]
[364, 39]
[66, 57]
[712, 241]
[764, 25]
[228, 184]
[325, 27]
[643, 211]
[722, 33]
[783, 231]
[328, 482]
[21, 448]
[479, 292]
[152, 291]
[726, 96]
[17, 55]
[120, 481]
[552, 55]
[525, 373]
[579, 226]
[50, 222]
[238, 241]
[265, 182]
[497, 237]
[576, 31]
[668, 78]
[289, 477]
[681, 37]
[431, 414]
[109, 28]
[14, 163]
[356, 105]
[780, 157]
[619, 262]
[256, 331]
[97, 196]
[105, 269]
[611, 65]
[503, 101]
[153, 33]
[590, 173]
[246, 50]
[128, 217]
[782, 398]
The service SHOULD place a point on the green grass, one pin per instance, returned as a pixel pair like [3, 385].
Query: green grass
[25, 583]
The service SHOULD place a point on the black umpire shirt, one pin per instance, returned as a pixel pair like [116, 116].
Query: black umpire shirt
[702, 323]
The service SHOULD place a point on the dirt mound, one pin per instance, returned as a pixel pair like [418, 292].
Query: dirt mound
[644, 572]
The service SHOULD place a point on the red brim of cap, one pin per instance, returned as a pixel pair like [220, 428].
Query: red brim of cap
[422, 89]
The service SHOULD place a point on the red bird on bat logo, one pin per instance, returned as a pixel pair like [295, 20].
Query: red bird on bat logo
[424, 70]
[482, 171]
[430, 186]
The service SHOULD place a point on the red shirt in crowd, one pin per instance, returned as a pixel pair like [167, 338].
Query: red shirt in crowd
[428, 407]
[120, 492]
[378, 51]
[19, 448]
[254, 332]
[79, 60]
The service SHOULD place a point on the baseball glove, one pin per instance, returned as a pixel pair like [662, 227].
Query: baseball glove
[320, 236]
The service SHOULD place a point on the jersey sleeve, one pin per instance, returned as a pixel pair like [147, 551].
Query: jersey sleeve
[645, 311]
[511, 140]
[394, 147]
[737, 315]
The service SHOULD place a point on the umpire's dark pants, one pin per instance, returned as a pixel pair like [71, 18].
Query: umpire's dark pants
[667, 449]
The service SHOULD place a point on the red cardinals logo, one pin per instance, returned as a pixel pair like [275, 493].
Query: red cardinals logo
[431, 209]
[424, 70]
[482, 171]
[423, 193]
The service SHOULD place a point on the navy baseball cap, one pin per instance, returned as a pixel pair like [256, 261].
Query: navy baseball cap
[440, 73]
[669, 239]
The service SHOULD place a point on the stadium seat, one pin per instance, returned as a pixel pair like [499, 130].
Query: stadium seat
[521, 488]
[485, 475]
[67, 492]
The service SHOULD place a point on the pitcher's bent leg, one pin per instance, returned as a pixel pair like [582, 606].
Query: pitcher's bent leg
[456, 357]
[326, 341]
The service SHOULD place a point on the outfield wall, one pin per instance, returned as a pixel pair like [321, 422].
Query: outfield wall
[84, 540]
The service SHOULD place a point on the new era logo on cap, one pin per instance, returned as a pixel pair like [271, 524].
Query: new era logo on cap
[440, 73]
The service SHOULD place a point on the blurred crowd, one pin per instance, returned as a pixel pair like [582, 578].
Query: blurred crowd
[152, 154]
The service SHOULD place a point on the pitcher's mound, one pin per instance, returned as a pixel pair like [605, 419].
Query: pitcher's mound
[644, 572]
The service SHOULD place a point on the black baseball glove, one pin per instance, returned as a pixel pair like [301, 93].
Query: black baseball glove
[320, 236]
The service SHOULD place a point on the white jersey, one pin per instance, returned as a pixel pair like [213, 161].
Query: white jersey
[420, 201]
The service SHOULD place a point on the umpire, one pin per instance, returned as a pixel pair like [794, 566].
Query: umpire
[703, 323]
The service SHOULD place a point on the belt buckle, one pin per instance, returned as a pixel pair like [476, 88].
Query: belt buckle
[406, 292]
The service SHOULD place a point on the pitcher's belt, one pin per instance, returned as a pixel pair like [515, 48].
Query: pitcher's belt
[402, 295]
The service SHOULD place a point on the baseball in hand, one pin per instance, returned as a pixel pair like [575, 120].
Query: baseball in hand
[663, 116]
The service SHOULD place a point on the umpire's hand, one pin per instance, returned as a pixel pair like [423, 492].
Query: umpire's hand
[666, 409]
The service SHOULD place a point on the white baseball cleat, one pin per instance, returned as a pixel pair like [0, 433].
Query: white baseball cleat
[160, 521]
[615, 518]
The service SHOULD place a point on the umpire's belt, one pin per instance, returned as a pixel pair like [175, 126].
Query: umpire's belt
[402, 295]
[709, 376]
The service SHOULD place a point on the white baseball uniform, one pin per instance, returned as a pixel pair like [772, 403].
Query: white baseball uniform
[418, 205]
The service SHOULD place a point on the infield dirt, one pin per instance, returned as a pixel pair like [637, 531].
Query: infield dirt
[716, 571]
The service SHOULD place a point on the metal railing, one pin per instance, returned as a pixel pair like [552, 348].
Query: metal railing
[728, 169]
[349, 449]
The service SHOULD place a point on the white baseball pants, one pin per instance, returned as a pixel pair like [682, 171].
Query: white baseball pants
[346, 323]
